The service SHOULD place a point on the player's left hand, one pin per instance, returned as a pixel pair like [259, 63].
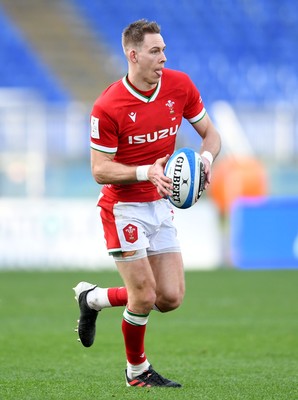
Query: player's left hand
[207, 170]
[157, 177]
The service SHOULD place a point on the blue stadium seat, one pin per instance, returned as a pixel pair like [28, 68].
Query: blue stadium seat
[20, 66]
[234, 50]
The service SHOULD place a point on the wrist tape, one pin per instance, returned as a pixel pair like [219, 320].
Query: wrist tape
[142, 172]
[208, 156]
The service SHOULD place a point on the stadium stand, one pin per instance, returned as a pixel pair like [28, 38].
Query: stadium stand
[239, 51]
[53, 34]
[21, 67]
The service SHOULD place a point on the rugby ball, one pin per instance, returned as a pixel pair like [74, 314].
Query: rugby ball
[186, 169]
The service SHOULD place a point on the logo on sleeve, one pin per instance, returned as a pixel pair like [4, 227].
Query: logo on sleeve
[94, 127]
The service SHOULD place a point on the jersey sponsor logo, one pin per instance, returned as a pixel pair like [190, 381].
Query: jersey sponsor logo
[133, 116]
[94, 127]
[130, 233]
[153, 136]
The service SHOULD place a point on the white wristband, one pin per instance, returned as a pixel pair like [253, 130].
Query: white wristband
[208, 156]
[142, 172]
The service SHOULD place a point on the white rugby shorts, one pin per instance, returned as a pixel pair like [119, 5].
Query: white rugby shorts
[138, 225]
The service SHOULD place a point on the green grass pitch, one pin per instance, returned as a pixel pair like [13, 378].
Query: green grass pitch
[234, 337]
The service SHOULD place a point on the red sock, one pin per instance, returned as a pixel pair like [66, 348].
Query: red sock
[117, 296]
[134, 342]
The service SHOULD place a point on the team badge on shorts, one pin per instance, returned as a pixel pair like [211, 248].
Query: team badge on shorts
[131, 233]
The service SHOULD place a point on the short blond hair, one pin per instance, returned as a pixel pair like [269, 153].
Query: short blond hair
[133, 34]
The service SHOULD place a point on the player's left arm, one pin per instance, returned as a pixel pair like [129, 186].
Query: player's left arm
[211, 144]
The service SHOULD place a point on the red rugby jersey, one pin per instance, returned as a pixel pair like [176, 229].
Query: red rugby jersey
[140, 129]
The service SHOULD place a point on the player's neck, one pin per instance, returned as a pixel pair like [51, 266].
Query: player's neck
[144, 88]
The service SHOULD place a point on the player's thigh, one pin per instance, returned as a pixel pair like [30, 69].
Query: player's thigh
[140, 283]
[169, 276]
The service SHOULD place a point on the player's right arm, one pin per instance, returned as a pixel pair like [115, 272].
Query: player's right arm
[106, 171]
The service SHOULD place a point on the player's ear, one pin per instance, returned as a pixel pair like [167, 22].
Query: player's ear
[133, 56]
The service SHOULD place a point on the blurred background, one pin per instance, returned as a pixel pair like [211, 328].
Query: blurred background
[56, 58]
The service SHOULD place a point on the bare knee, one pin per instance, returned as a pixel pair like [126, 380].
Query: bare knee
[169, 301]
[141, 300]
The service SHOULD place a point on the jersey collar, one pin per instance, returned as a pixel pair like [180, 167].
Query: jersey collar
[138, 95]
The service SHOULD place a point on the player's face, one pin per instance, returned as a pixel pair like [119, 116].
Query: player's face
[151, 58]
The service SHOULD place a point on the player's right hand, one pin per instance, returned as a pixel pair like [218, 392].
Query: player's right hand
[157, 177]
